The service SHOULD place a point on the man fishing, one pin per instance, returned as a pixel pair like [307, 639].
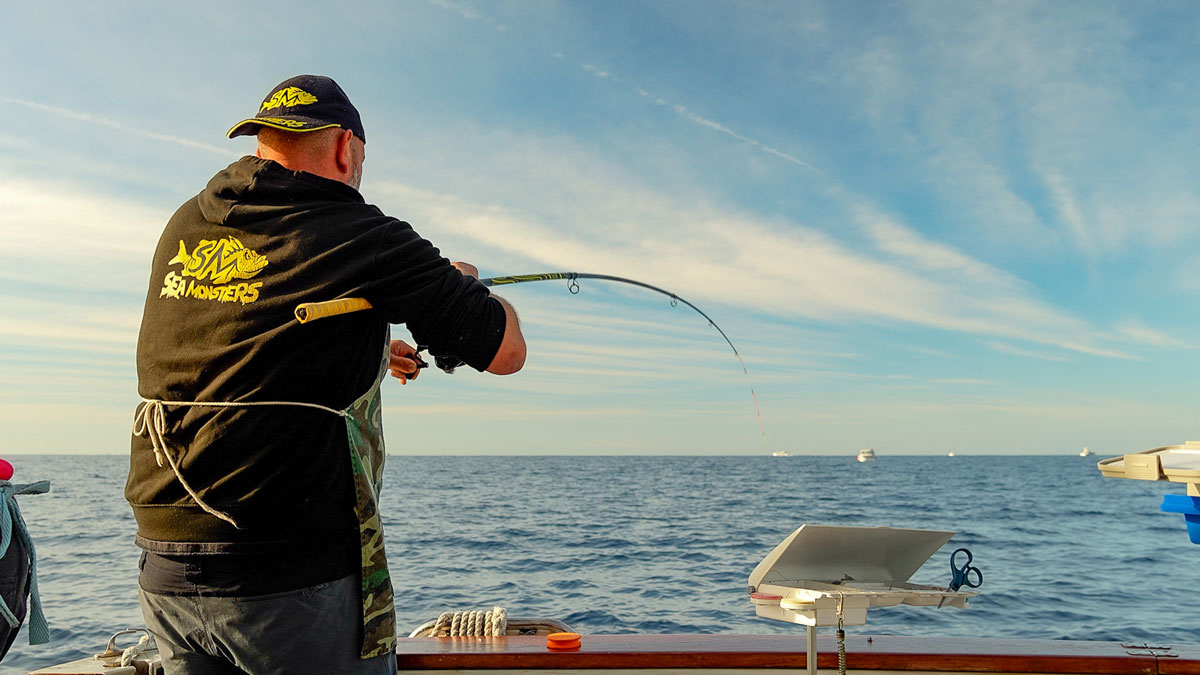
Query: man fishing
[257, 455]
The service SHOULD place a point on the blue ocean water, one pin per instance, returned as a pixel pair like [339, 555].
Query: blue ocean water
[665, 544]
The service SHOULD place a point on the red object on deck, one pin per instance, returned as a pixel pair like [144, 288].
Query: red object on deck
[563, 641]
[6, 470]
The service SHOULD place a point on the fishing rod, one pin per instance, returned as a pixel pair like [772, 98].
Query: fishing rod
[311, 311]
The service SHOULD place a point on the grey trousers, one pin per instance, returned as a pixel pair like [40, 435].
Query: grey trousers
[309, 630]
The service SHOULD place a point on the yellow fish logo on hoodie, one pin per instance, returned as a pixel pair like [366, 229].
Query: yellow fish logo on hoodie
[218, 261]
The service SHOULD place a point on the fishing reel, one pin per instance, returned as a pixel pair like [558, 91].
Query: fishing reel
[445, 362]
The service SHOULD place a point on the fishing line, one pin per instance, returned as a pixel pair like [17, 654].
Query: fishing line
[311, 311]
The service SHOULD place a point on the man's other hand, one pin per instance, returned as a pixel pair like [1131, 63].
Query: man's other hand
[404, 362]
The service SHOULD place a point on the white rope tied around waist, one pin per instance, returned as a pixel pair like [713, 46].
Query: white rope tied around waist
[150, 421]
[476, 623]
[12, 524]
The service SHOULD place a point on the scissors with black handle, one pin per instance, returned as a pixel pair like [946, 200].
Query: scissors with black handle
[961, 576]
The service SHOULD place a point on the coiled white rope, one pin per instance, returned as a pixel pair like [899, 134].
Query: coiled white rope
[130, 653]
[476, 623]
[150, 421]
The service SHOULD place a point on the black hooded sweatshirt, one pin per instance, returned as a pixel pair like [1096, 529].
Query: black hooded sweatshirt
[218, 325]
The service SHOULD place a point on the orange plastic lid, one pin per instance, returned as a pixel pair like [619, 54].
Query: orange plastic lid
[563, 641]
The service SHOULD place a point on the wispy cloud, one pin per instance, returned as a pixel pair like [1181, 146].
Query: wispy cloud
[927, 351]
[910, 246]
[705, 122]
[103, 122]
[1136, 331]
[931, 284]
[1021, 119]
[68, 236]
[1006, 348]
[1069, 213]
[599, 72]
[467, 11]
[718, 127]
[1186, 275]
[58, 326]
[1087, 348]
[920, 281]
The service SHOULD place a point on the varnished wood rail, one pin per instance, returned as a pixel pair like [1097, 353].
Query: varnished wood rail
[864, 653]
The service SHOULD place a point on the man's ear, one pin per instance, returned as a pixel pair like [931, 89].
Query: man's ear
[345, 154]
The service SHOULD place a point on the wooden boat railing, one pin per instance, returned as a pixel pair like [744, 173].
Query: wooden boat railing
[874, 654]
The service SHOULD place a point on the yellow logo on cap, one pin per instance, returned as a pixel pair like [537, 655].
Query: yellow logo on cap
[287, 97]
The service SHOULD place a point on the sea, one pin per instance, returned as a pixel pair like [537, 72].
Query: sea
[621, 544]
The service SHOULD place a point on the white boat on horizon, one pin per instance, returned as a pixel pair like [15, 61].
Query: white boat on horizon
[1085, 452]
[866, 455]
[780, 453]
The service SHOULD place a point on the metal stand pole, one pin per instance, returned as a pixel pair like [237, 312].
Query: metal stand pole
[811, 661]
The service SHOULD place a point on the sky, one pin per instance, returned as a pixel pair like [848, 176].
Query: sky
[926, 226]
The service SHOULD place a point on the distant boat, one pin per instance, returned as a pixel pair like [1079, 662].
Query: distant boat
[950, 454]
[780, 453]
[1085, 452]
[866, 455]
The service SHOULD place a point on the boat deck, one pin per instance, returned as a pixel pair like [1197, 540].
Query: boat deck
[877, 654]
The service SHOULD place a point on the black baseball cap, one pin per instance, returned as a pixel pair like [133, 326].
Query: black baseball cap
[304, 103]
